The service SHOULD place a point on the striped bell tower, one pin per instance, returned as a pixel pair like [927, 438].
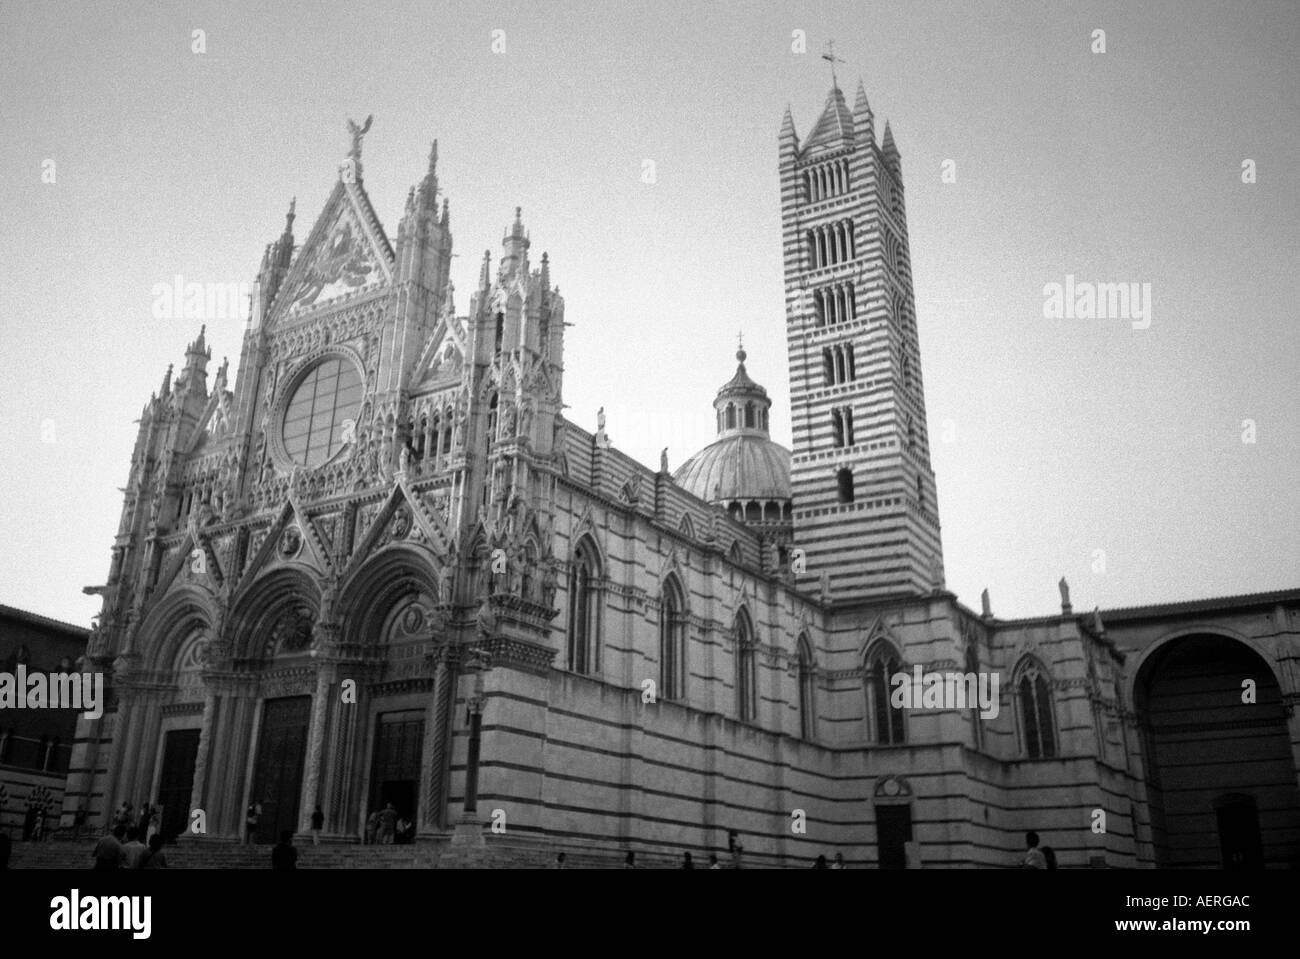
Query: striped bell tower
[865, 511]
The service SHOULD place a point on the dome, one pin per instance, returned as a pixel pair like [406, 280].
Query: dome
[742, 464]
[745, 465]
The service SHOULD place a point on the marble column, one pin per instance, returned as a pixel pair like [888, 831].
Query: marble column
[437, 744]
[201, 761]
[316, 728]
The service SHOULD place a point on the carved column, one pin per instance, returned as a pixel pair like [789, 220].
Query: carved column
[197, 798]
[320, 714]
[437, 742]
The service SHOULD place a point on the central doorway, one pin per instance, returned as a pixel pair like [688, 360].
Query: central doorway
[180, 752]
[395, 769]
[893, 833]
[281, 752]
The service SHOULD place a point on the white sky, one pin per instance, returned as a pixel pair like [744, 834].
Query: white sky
[1069, 436]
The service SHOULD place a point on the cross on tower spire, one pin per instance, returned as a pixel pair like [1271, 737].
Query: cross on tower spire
[830, 57]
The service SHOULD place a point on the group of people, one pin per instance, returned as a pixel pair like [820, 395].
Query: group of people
[148, 822]
[386, 827]
[122, 849]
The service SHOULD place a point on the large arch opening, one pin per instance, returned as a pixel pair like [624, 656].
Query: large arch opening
[1221, 779]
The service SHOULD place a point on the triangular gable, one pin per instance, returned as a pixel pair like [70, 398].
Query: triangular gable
[312, 546]
[879, 629]
[346, 252]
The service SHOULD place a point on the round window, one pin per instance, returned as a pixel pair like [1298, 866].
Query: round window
[325, 400]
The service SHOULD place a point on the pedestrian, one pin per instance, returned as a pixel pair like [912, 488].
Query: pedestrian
[737, 850]
[372, 827]
[155, 823]
[820, 863]
[1034, 858]
[630, 861]
[156, 858]
[686, 861]
[146, 813]
[403, 830]
[317, 824]
[108, 851]
[387, 824]
[284, 856]
[713, 861]
[559, 861]
[251, 820]
[839, 861]
[1050, 855]
[134, 851]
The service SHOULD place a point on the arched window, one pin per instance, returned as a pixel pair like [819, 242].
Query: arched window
[500, 334]
[844, 481]
[973, 669]
[828, 366]
[1034, 692]
[807, 689]
[746, 669]
[731, 416]
[883, 664]
[492, 420]
[584, 609]
[672, 641]
[920, 493]
[837, 428]
[749, 416]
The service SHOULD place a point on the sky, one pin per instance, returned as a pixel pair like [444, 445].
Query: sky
[1144, 465]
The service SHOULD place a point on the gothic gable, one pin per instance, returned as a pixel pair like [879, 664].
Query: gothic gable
[346, 253]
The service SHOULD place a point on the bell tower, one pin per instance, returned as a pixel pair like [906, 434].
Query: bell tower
[865, 510]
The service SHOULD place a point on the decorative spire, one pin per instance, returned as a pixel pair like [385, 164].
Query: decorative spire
[888, 147]
[289, 217]
[484, 277]
[787, 123]
[446, 213]
[546, 272]
[433, 158]
[167, 383]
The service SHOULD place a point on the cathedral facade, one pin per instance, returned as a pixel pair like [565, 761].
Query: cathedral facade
[381, 567]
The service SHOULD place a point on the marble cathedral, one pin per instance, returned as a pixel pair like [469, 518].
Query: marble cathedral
[380, 566]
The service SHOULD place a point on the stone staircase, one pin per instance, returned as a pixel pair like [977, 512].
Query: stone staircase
[498, 853]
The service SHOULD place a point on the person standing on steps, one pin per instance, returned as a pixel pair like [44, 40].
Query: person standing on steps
[108, 851]
[317, 824]
[155, 858]
[1034, 858]
[134, 851]
[251, 820]
[387, 825]
[284, 856]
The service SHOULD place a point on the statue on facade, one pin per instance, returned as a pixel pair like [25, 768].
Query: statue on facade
[404, 459]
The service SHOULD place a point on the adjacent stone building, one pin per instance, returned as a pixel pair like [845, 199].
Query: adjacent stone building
[35, 743]
[382, 567]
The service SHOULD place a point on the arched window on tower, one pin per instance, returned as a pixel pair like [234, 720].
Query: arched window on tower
[749, 416]
[920, 493]
[672, 641]
[837, 428]
[844, 483]
[1037, 726]
[848, 426]
[886, 722]
[584, 609]
[819, 308]
[731, 416]
[828, 365]
[746, 669]
[500, 334]
[807, 690]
